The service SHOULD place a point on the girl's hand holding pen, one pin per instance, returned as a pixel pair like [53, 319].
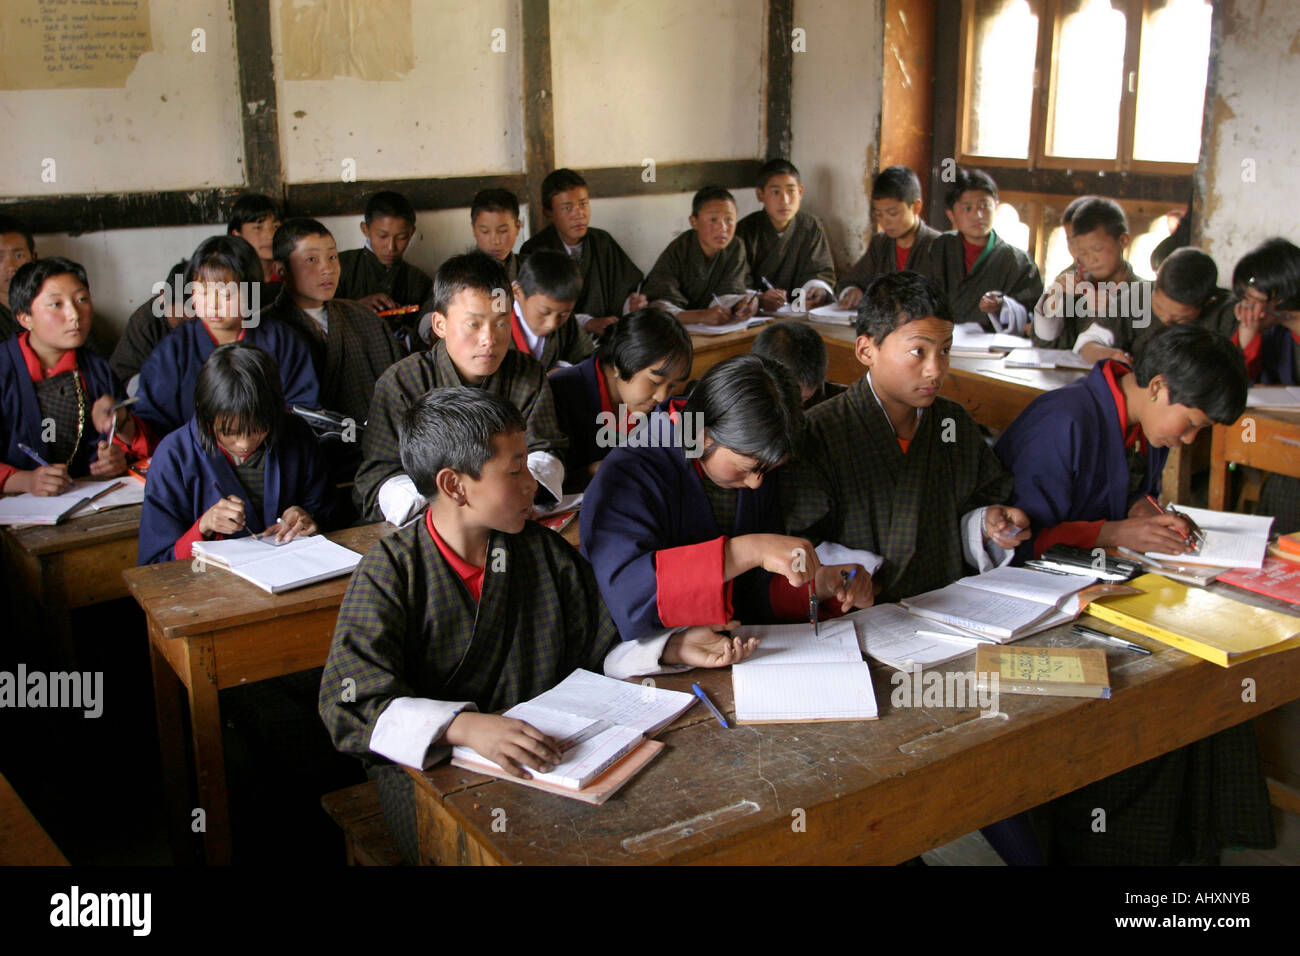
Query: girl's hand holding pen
[225, 517]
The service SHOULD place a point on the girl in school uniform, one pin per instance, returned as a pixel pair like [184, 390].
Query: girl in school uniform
[221, 278]
[683, 526]
[240, 466]
[56, 397]
[1084, 457]
[643, 359]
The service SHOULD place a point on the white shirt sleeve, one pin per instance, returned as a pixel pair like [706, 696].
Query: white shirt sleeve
[984, 555]
[548, 470]
[828, 552]
[1096, 335]
[643, 656]
[667, 306]
[410, 727]
[399, 501]
[1049, 313]
[1013, 316]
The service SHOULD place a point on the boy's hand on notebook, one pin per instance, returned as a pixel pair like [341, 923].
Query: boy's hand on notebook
[43, 482]
[746, 308]
[512, 745]
[1162, 533]
[110, 461]
[708, 647]
[294, 523]
[772, 299]
[378, 302]
[857, 593]
[1005, 526]
[850, 297]
[225, 517]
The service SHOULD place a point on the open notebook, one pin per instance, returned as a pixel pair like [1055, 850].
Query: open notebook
[698, 328]
[796, 675]
[970, 340]
[889, 634]
[1046, 358]
[1231, 540]
[83, 498]
[280, 567]
[833, 315]
[602, 725]
[1273, 396]
[1004, 604]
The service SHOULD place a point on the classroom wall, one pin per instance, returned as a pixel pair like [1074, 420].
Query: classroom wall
[1250, 157]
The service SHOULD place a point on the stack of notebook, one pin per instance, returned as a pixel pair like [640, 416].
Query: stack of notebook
[1004, 604]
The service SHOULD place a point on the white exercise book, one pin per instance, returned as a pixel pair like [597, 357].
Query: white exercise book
[889, 634]
[1231, 540]
[796, 675]
[83, 498]
[282, 567]
[1004, 604]
[1046, 358]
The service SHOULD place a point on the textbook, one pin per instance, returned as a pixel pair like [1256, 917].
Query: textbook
[84, 497]
[602, 726]
[1278, 578]
[797, 676]
[1052, 671]
[1213, 627]
[279, 567]
[1046, 358]
[1231, 540]
[1004, 604]
[889, 634]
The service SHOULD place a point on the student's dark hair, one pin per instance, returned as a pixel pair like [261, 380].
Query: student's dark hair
[796, 346]
[1188, 275]
[230, 254]
[250, 207]
[965, 181]
[238, 390]
[1272, 267]
[896, 182]
[645, 337]
[1100, 213]
[710, 194]
[551, 273]
[1203, 369]
[27, 281]
[472, 270]
[10, 224]
[897, 298]
[494, 200]
[453, 428]
[1072, 210]
[777, 167]
[559, 181]
[293, 231]
[389, 203]
[752, 406]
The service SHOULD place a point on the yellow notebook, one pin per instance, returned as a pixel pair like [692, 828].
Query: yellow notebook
[1200, 622]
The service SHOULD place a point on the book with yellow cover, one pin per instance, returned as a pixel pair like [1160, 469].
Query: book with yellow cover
[1211, 626]
[1057, 671]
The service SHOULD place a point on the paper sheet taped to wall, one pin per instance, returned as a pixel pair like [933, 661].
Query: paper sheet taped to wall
[72, 44]
[367, 39]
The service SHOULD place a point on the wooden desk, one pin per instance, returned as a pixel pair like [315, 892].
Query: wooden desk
[23, 841]
[1267, 440]
[870, 792]
[75, 564]
[712, 349]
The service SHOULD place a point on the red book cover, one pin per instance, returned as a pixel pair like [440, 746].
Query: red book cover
[1278, 578]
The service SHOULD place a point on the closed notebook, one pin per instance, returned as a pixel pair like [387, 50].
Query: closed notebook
[797, 675]
[1004, 604]
[282, 567]
[1278, 578]
[1050, 671]
[1209, 625]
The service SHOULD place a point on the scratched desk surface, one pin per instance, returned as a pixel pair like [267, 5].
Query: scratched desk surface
[860, 792]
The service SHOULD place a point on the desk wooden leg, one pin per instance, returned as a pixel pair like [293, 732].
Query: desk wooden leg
[167, 704]
[1218, 498]
[209, 755]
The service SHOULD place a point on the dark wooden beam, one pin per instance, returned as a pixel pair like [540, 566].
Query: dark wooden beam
[341, 199]
[672, 177]
[539, 111]
[78, 214]
[780, 68]
[1072, 182]
[947, 61]
[257, 97]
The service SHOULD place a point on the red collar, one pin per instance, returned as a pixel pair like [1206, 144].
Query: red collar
[1113, 371]
[517, 334]
[66, 363]
[602, 386]
[471, 574]
[242, 330]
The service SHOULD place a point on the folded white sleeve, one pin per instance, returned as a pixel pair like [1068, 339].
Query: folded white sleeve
[548, 470]
[1095, 335]
[642, 656]
[667, 306]
[1013, 317]
[1049, 313]
[984, 555]
[828, 552]
[410, 727]
[399, 501]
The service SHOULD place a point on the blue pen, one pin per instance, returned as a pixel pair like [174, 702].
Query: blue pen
[699, 692]
[33, 456]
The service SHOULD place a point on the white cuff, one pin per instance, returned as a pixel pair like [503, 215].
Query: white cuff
[667, 306]
[1095, 335]
[399, 501]
[642, 656]
[548, 470]
[1013, 317]
[409, 727]
[1049, 313]
[984, 555]
[828, 552]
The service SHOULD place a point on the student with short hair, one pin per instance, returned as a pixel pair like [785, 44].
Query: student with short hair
[685, 530]
[376, 276]
[904, 239]
[17, 248]
[57, 396]
[1051, 327]
[542, 322]
[470, 610]
[700, 277]
[800, 349]
[222, 277]
[471, 322]
[240, 466]
[149, 324]
[255, 218]
[1266, 281]
[609, 277]
[494, 219]
[785, 247]
[643, 360]
[986, 280]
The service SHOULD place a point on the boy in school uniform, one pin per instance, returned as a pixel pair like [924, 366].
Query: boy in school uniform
[700, 276]
[904, 239]
[609, 277]
[785, 247]
[800, 349]
[471, 322]
[470, 610]
[494, 218]
[149, 324]
[17, 248]
[376, 276]
[1051, 327]
[255, 218]
[542, 323]
[56, 396]
[986, 280]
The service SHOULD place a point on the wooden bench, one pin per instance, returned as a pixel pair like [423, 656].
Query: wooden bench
[356, 811]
